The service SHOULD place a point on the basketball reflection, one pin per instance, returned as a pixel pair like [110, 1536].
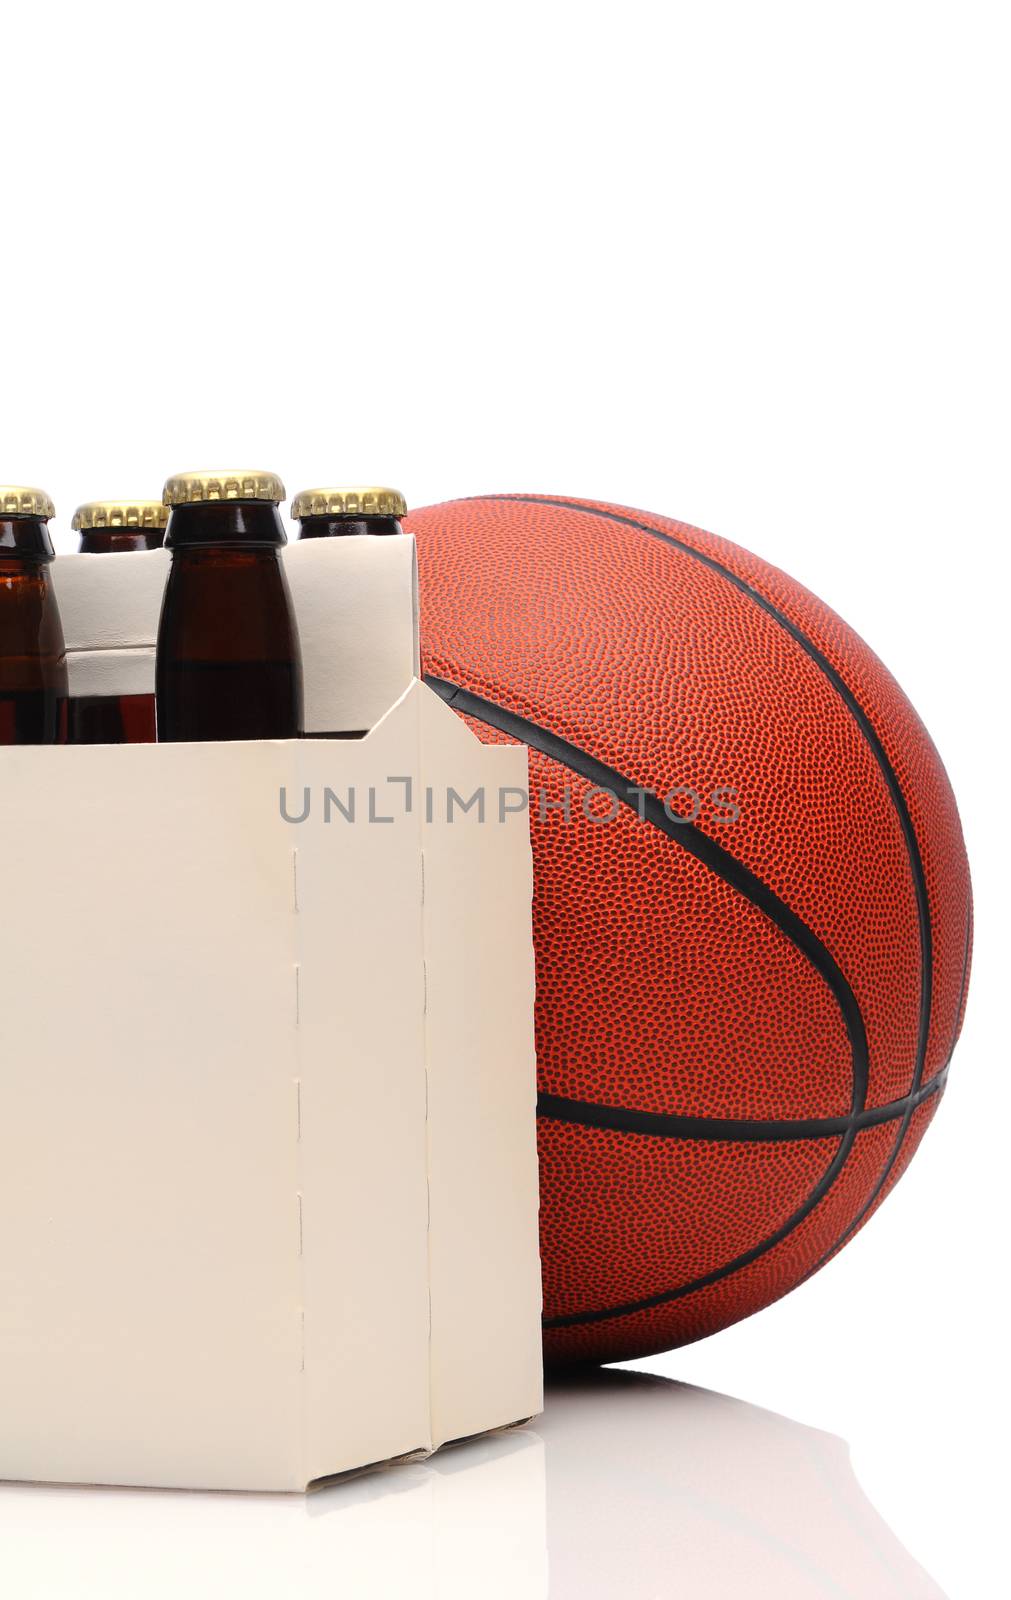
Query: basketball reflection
[630, 1487]
[657, 1489]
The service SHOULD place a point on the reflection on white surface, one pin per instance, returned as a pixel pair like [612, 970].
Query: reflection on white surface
[474, 1528]
[630, 1486]
[655, 1488]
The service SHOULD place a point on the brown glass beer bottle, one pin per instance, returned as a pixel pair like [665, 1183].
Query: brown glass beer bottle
[106, 526]
[228, 662]
[33, 657]
[333, 513]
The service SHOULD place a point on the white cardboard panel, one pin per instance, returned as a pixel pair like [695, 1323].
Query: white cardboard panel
[110, 602]
[482, 1075]
[363, 1156]
[262, 1219]
[111, 672]
[148, 1268]
[356, 604]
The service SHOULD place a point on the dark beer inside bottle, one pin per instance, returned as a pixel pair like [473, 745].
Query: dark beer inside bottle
[327, 527]
[33, 662]
[107, 541]
[111, 719]
[228, 663]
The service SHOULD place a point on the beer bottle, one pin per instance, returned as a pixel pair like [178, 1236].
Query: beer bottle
[228, 662]
[107, 527]
[330, 513]
[33, 657]
[110, 525]
[337, 513]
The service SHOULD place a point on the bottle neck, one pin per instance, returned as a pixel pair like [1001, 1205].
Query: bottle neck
[341, 527]
[105, 541]
[243, 522]
[26, 539]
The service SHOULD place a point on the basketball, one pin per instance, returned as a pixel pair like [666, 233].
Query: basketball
[752, 910]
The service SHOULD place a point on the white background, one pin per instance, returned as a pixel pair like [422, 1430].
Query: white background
[744, 264]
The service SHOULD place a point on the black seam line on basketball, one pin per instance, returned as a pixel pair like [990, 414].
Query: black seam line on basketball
[691, 838]
[915, 1101]
[631, 1308]
[967, 946]
[852, 704]
[734, 1130]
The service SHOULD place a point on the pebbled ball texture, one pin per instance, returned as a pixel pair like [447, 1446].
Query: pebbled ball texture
[752, 960]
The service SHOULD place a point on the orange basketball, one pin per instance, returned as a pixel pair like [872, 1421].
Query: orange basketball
[752, 909]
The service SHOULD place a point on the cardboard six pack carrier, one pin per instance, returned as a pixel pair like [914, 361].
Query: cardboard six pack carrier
[268, 1188]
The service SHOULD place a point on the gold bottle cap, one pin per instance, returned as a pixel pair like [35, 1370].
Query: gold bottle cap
[348, 503]
[187, 488]
[120, 514]
[17, 501]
